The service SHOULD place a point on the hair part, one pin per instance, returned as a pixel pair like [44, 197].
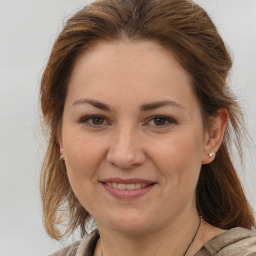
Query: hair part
[185, 29]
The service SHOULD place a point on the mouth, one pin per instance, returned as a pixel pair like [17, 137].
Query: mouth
[127, 189]
[123, 186]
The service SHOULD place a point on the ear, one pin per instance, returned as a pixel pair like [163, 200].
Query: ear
[61, 150]
[214, 135]
[59, 136]
[60, 143]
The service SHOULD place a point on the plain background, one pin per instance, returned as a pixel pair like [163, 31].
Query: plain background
[28, 29]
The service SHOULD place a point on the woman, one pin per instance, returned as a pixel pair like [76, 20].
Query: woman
[140, 119]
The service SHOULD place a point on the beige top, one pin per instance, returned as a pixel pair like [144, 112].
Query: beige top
[233, 242]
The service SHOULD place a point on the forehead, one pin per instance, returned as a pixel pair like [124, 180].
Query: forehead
[137, 69]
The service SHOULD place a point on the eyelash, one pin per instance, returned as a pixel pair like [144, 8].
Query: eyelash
[168, 121]
[89, 119]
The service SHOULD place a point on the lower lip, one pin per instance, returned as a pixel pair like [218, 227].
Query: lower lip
[128, 194]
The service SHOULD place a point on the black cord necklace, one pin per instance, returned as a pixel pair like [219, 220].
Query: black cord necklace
[193, 236]
[193, 239]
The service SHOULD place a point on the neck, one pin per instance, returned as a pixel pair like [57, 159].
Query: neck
[170, 240]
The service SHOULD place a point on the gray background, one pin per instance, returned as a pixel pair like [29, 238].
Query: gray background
[28, 29]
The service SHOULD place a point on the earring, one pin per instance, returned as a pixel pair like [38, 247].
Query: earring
[61, 154]
[211, 154]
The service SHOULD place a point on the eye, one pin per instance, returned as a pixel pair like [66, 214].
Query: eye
[161, 121]
[94, 121]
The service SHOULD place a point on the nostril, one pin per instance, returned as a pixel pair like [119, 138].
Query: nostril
[125, 157]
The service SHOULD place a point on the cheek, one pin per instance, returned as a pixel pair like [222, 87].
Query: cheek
[82, 158]
[179, 158]
[83, 155]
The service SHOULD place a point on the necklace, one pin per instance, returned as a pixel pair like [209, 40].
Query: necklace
[191, 242]
[193, 236]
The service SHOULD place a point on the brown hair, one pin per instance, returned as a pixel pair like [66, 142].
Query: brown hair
[186, 30]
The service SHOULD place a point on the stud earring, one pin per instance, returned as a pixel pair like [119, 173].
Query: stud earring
[211, 154]
[61, 154]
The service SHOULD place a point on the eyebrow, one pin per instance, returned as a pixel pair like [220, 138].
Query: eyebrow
[144, 107]
[94, 103]
[158, 104]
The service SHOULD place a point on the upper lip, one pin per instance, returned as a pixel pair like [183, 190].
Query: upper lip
[127, 181]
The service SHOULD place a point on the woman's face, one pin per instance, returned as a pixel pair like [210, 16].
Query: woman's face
[133, 136]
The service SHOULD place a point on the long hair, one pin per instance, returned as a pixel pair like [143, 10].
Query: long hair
[185, 29]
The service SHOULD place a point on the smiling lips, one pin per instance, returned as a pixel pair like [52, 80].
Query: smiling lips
[127, 189]
[122, 186]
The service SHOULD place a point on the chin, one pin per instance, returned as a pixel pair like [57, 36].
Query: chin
[128, 223]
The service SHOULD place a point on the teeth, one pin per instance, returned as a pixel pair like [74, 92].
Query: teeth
[130, 186]
[121, 186]
[137, 186]
[110, 184]
[126, 186]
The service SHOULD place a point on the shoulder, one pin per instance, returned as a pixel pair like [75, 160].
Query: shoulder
[68, 250]
[234, 242]
[80, 248]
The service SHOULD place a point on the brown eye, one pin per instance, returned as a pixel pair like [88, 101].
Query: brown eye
[97, 120]
[94, 121]
[159, 121]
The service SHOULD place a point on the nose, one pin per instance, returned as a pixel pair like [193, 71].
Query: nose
[126, 150]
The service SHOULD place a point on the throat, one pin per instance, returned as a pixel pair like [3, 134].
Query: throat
[142, 248]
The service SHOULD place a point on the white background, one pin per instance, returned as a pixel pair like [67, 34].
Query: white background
[28, 29]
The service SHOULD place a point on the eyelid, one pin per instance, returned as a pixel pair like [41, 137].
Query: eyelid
[170, 121]
[85, 120]
[164, 117]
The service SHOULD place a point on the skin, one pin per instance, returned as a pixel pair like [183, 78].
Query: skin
[128, 142]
